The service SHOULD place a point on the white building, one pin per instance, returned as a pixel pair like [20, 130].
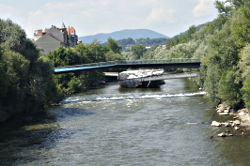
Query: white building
[50, 39]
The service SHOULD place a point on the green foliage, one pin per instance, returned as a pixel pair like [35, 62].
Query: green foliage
[81, 54]
[222, 8]
[97, 52]
[223, 46]
[245, 62]
[238, 3]
[138, 51]
[14, 38]
[246, 92]
[74, 85]
[220, 56]
[26, 83]
[111, 56]
[182, 38]
[64, 56]
[124, 43]
[229, 88]
[240, 26]
[113, 46]
[183, 50]
[127, 43]
[211, 82]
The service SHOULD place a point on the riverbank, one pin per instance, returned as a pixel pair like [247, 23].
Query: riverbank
[244, 117]
[239, 123]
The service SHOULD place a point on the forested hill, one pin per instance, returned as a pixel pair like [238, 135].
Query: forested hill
[224, 49]
[123, 34]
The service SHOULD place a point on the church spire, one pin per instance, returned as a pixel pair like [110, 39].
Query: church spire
[63, 25]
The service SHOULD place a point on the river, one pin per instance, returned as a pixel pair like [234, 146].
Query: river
[110, 126]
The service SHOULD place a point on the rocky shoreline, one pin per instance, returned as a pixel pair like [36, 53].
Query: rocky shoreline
[239, 125]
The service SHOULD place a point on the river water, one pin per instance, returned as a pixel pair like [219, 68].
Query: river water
[110, 126]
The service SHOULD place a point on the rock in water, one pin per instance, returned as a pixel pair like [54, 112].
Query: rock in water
[237, 122]
[215, 124]
[236, 128]
[224, 134]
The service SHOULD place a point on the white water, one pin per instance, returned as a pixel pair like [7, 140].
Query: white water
[80, 99]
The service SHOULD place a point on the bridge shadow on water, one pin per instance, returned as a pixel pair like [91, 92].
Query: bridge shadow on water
[140, 90]
[23, 145]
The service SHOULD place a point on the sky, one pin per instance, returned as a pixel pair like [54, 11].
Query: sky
[89, 17]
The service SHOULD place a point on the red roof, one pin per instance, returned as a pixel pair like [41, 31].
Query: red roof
[71, 30]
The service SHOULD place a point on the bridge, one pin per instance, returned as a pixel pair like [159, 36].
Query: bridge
[168, 63]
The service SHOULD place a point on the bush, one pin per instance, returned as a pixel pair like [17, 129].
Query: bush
[26, 83]
[229, 88]
[246, 92]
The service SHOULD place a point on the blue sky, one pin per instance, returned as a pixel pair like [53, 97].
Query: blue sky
[169, 17]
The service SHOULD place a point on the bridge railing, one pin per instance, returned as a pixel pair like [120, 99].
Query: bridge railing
[131, 62]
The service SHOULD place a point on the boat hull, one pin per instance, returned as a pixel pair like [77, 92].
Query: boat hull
[137, 83]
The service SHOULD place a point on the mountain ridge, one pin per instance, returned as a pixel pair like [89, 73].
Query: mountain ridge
[123, 34]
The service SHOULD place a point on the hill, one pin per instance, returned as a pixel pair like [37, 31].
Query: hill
[123, 34]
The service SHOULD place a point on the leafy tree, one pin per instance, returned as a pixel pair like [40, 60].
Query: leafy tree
[191, 31]
[64, 56]
[237, 3]
[81, 54]
[113, 46]
[111, 56]
[14, 38]
[183, 37]
[222, 7]
[127, 43]
[223, 46]
[245, 62]
[211, 82]
[97, 52]
[74, 85]
[240, 26]
[138, 51]
[25, 80]
[229, 88]
[246, 92]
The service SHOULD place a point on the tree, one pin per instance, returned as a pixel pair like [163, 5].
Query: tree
[191, 31]
[26, 83]
[97, 52]
[211, 82]
[229, 88]
[64, 56]
[245, 62]
[111, 56]
[222, 8]
[240, 26]
[113, 46]
[138, 51]
[246, 92]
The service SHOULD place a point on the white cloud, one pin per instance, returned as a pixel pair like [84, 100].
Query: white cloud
[204, 8]
[160, 14]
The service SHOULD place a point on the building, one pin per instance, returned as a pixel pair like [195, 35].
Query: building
[50, 39]
[73, 38]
